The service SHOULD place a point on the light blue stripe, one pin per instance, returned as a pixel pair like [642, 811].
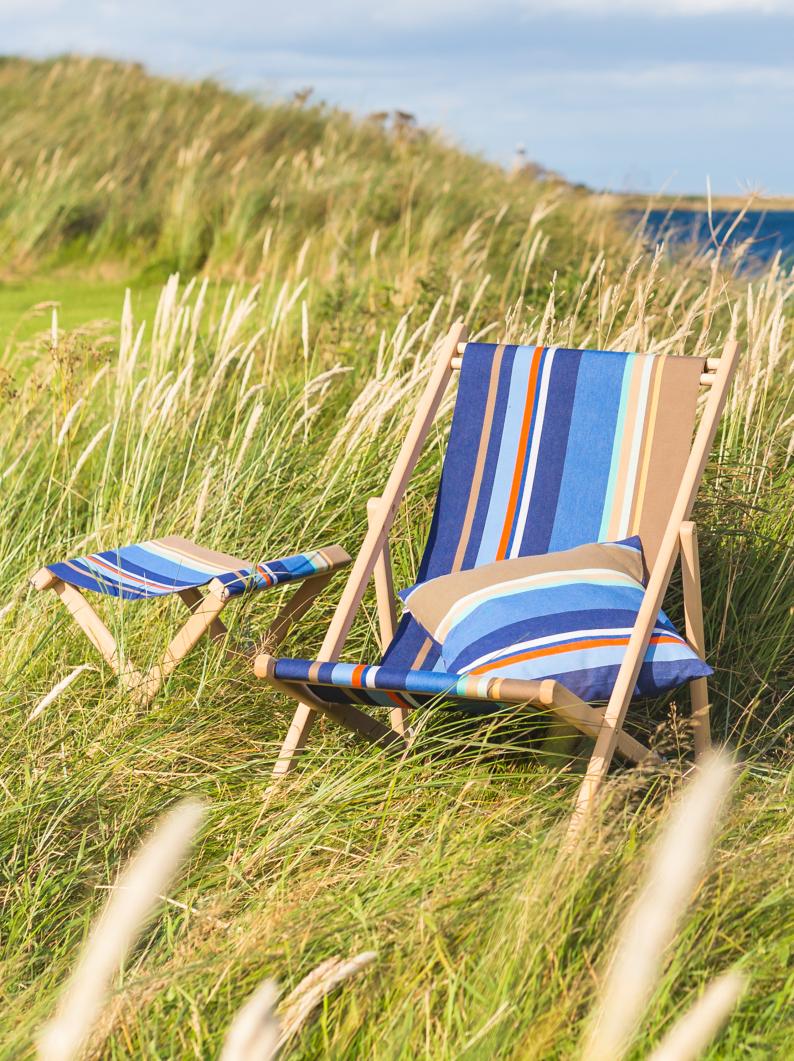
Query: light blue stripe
[503, 477]
[634, 457]
[160, 567]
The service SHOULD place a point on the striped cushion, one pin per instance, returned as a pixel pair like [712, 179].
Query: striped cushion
[162, 566]
[566, 615]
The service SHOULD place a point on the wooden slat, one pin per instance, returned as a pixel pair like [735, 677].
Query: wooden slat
[387, 610]
[695, 635]
[96, 632]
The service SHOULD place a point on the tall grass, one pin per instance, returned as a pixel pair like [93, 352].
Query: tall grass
[257, 411]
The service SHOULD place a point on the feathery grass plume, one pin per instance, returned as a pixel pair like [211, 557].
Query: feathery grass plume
[301, 1002]
[56, 690]
[676, 862]
[92, 445]
[692, 1033]
[131, 905]
[254, 1033]
[68, 420]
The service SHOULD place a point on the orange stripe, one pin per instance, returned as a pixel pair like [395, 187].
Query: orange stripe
[518, 470]
[356, 676]
[264, 574]
[661, 639]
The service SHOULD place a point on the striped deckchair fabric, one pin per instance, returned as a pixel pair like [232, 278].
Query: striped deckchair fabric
[550, 449]
[553, 448]
[163, 566]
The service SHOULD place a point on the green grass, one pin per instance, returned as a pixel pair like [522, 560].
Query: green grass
[26, 306]
[223, 426]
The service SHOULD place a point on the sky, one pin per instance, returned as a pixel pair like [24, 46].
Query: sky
[618, 94]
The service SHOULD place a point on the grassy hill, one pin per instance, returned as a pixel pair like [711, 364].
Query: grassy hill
[255, 402]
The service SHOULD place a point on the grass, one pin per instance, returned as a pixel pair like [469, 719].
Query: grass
[225, 415]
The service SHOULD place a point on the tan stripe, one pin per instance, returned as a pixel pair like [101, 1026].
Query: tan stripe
[647, 445]
[333, 554]
[630, 428]
[672, 441]
[482, 453]
[181, 547]
[314, 673]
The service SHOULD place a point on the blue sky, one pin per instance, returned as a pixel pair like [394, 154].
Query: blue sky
[621, 94]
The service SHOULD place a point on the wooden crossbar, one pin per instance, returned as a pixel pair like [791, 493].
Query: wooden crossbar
[706, 379]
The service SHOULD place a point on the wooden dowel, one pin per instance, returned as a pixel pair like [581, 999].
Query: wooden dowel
[387, 610]
[712, 364]
[43, 579]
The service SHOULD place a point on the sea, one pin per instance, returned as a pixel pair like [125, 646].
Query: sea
[767, 232]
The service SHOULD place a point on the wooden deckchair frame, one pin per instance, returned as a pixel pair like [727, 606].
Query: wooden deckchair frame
[205, 610]
[607, 725]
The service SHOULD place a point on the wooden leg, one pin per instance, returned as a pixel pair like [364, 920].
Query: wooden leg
[611, 732]
[192, 598]
[309, 707]
[96, 632]
[203, 616]
[297, 605]
[295, 741]
[387, 612]
[693, 617]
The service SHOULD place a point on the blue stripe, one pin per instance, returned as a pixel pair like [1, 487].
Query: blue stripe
[580, 502]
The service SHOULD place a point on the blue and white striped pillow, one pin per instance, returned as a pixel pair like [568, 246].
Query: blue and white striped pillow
[565, 615]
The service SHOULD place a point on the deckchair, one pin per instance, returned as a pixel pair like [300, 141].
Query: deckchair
[163, 567]
[549, 448]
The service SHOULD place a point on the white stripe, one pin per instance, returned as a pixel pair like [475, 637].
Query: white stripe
[634, 457]
[521, 522]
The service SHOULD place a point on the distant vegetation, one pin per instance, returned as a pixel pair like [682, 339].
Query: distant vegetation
[101, 160]
[255, 403]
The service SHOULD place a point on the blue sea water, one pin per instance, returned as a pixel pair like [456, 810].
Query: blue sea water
[768, 231]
